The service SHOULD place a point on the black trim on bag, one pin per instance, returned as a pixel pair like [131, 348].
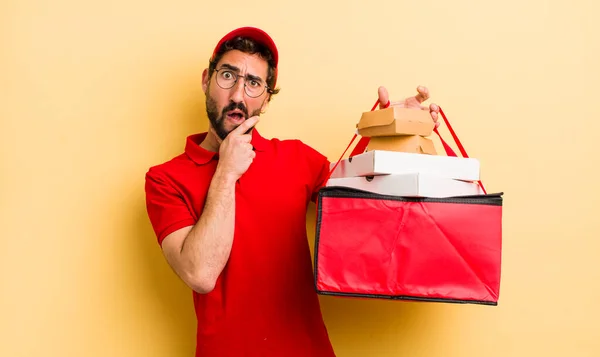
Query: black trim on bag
[408, 298]
[493, 199]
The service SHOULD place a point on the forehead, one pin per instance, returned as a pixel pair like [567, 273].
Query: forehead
[247, 63]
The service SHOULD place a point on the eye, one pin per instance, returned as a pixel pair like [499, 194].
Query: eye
[254, 83]
[227, 75]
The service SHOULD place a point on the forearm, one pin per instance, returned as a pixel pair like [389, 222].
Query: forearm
[206, 249]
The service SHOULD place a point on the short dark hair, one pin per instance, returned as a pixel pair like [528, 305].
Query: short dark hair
[250, 46]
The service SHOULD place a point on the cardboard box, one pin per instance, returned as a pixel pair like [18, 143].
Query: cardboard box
[395, 121]
[379, 162]
[410, 185]
[403, 143]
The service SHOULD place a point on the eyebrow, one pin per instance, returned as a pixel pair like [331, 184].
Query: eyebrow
[236, 69]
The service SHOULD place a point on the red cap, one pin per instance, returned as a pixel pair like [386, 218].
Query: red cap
[257, 35]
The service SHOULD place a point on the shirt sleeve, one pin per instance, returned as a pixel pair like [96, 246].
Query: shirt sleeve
[165, 205]
[319, 170]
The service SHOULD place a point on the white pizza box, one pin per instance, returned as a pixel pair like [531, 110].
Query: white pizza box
[380, 162]
[410, 185]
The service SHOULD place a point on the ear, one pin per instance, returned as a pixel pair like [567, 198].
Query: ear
[205, 80]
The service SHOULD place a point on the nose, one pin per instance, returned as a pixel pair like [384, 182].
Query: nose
[237, 92]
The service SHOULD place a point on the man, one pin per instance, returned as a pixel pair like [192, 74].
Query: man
[229, 213]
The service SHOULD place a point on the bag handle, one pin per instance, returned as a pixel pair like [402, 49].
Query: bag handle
[460, 146]
[362, 144]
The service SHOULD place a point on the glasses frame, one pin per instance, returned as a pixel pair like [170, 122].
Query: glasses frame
[237, 76]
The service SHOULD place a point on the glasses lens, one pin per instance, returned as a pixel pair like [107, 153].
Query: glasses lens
[225, 79]
[254, 91]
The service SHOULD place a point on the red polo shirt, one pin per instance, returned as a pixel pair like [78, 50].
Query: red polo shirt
[264, 302]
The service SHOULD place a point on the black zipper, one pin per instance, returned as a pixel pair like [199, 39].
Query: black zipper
[407, 298]
[494, 199]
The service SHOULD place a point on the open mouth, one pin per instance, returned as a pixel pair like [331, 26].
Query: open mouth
[236, 116]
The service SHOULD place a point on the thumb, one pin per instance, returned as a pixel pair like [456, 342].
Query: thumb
[384, 97]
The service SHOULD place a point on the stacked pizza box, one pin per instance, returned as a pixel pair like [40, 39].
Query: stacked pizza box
[401, 159]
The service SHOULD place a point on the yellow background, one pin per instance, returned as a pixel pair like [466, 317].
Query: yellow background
[95, 92]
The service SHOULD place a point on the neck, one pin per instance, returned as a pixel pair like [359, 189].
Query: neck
[210, 142]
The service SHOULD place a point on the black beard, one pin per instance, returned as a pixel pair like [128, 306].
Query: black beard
[217, 120]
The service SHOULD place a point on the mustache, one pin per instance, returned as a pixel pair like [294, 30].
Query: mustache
[234, 106]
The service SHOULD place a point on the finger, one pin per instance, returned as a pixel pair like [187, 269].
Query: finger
[384, 97]
[434, 110]
[247, 124]
[423, 94]
[433, 113]
[434, 107]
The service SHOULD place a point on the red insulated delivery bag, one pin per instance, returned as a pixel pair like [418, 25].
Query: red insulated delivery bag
[413, 248]
[432, 249]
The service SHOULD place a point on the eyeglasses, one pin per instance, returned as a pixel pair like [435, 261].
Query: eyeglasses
[226, 79]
